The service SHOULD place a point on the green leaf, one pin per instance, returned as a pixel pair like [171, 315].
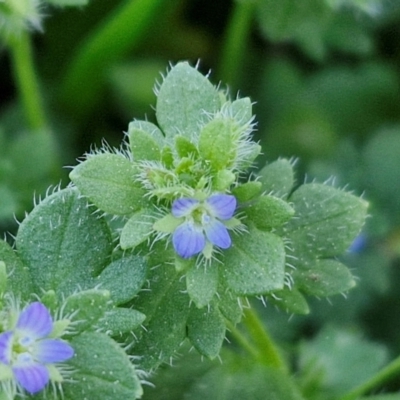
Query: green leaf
[63, 243]
[247, 191]
[216, 144]
[343, 358]
[121, 320]
[166, 306]
[108, 181]
[206, 330]
[129, 273]
[229, 305]
[202, 282]
[244, 379]
[277, 178]
[3, 278]
[241, 110]
[146, 140]
[327, 221]
[19, 279]
[103, 370]
[324, 278]
[185, 99]
[87, 307]
[267, 212]
[255, 264]
[290, 301]
[184, 147]
[137, 229]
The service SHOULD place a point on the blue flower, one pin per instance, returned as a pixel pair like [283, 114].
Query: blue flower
[27, 351]
[203, 223]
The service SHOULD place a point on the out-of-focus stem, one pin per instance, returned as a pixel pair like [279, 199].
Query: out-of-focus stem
[235, 41]
[121, 31]
[26, 81]
[390, 371]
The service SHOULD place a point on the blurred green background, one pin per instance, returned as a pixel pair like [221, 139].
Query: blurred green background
[324, 76]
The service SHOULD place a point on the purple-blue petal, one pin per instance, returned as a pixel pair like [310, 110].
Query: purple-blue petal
[223, 205]
[5, 347]
[35, 320]
[183, 207]
[188, 240]
[32, 377]
[52, 351]
[217, 234]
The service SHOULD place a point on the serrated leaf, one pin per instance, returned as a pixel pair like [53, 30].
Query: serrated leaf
[277, 178]
[121, 320]
[146, 140]
[267, 212]
[216, 144]
[184, 100]
[206, 330]
[87, 307]
[104, 372]
[128, 272]
[324, 278]
[290, 301]
[19, 280]
[137, 229]
[63, 243]
[244, 379]
[202, 282]
[327, 221]
[255, 264]
[108, 181]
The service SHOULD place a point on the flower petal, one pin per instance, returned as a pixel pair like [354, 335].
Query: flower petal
[52, 351]
[35, 320]
[32, 377]
[223, 205]
[217, 234]
[188, 240]
[183, 207]
[5, 347]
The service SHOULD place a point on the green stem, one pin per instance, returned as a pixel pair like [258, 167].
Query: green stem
[242, 340]
[387, 373]
[121, 31]
[268, 352]
[26, 80]
[235, 42]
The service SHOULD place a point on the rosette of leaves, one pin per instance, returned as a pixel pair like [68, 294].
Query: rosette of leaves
[203, 146]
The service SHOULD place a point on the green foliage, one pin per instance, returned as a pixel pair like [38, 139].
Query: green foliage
[102, 364]
[341, 359]
[108, 181]
[324, 77]
[183, 101]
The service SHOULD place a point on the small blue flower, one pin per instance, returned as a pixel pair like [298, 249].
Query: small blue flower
[28, 352]
[202, 223]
